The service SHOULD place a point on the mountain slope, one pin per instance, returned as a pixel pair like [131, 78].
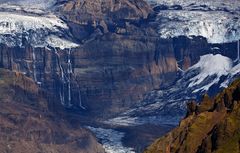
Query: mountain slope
[212, 126]
[28, 126]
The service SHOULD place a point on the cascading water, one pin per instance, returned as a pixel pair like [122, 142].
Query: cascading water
[69, 71]
[61, 91]
[34, 66]
[66, 78]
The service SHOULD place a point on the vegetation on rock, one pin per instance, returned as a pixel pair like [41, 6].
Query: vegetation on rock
[211, 127]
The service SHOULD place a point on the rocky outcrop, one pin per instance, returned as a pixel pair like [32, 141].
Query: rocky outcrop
[117, 16]
[28, 126]
[212, 126]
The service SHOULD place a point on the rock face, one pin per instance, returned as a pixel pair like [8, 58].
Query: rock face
[88, 16]
[110, 73]
[27, 124]
[212, 126]
[120, 57]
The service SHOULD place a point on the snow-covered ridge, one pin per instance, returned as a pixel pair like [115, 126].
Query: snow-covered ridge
[218, 21]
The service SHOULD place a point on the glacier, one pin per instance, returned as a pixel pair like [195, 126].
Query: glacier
[217, 21]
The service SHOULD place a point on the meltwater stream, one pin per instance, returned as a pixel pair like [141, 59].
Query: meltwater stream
[111, 140]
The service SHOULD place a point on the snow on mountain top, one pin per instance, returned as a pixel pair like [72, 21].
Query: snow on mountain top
[210, 65]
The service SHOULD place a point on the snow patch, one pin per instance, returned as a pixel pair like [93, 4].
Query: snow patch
[210, 65]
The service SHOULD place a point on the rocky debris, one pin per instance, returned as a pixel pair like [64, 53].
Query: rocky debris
[28, 126]
[212, 126]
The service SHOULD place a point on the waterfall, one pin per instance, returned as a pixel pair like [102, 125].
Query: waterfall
[66, 80]
[69, 71]
[61, 91]
[34, 65]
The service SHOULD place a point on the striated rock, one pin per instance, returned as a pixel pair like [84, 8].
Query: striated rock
[28, 126]
[107, 75]
[117, 70]
[213, 129]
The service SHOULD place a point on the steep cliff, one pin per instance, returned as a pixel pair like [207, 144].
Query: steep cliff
[27, 125]
[101, 56]
[212, 126]
[95, 72]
